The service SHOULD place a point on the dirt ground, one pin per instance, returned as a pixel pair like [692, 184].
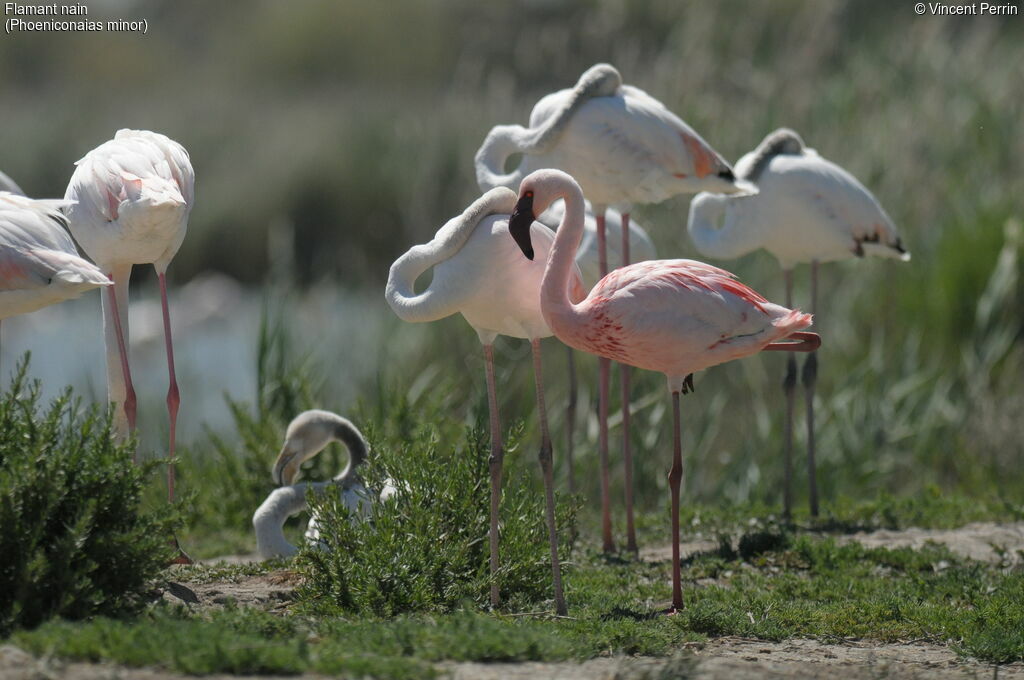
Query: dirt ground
[733, 658]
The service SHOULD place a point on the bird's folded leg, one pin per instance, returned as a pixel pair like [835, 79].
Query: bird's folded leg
[805, 342]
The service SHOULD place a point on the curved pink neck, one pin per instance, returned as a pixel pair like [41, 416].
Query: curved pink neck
[554, 292]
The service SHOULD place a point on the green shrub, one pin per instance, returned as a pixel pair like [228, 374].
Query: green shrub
[73, 541]
[426, 549]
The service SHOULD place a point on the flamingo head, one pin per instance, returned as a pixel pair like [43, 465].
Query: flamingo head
[146, 196]
[520, 222]
[537, 192]
[303, 440]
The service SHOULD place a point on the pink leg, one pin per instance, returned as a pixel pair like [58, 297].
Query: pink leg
[809, 378]
[570, 423]
[625, 375]
[604, 367]
[496, 460]
[173, 399]
[675, 477]
[129, 400]
[549, 482]
[789, 390]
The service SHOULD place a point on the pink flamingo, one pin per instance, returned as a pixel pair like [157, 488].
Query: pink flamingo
[672, 316]
[623, 147]
[133, 195]
[479, 273]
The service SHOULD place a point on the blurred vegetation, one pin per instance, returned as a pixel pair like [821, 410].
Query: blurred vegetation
[337, 135]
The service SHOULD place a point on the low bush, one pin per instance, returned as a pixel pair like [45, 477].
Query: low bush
[74, 541]
[426, 549]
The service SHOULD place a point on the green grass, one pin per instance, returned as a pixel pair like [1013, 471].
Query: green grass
[795, 585]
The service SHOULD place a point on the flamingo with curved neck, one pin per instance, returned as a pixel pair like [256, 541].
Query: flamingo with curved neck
[307, 435]
[623, 147]
[671, 316]
[807, 209]
[479, 273]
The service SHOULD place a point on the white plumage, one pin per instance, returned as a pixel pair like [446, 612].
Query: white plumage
[807, 208]
[39, 264]
[641, 247]
[133, 195]
[622, 145]
[307, 435]
[132, 198]
[480, 273]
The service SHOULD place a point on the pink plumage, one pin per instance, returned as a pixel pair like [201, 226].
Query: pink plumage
[675, 317]
[672, 316]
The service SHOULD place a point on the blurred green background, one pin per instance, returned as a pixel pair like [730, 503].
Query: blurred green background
[328, 137]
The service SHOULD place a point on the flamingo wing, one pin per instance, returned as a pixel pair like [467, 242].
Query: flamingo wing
[836, 202]
[679, 316]
[626, 147]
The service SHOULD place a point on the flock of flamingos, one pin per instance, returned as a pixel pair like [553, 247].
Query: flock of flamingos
[519, 262]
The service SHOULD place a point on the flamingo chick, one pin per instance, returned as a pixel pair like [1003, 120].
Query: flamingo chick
[479, 273]
[623, 147]
[672, 316]
[307, 435]
[133, 195]
[39, 264]
[808, 209]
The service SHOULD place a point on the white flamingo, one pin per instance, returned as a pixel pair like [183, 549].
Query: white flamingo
[622, 146]
[39, 264]
[307, 435]
[671, 316]
[133, 195]
[479, 273]
[807, 209]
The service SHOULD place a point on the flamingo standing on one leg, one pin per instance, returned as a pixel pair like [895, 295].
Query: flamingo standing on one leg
[479, 273]
[307, 435]
[623, 147]
[39, 264]
[133, 195]
[672, 316]
[808, 209]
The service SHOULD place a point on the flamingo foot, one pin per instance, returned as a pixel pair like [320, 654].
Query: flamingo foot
[806, 342]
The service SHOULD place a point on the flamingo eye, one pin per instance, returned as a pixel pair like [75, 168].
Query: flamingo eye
[528, 194]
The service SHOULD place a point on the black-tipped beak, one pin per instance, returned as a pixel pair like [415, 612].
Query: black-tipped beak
[520, 222]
